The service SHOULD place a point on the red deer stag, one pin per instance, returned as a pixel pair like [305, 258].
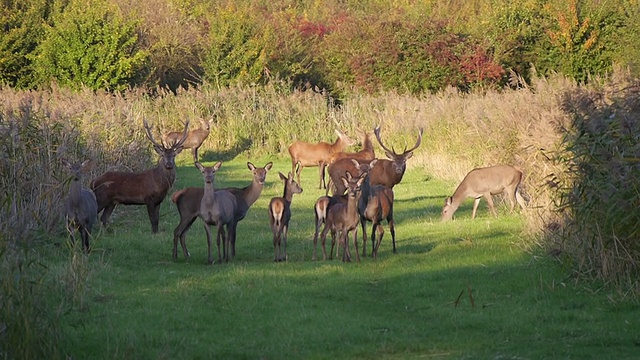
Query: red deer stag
[188, 202]
[81, 208]
[487, 181]
[216, 208]
[385, 172]
[344, 218]
[194, 140]
[141, 188]
[319, 154]
[280, 214]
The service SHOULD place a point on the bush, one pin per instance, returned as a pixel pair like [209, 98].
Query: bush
[89, 44]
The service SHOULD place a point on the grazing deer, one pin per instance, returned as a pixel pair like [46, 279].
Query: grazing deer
[81, 208]
[216, 208]
[344, 218]
[141, 188]
[280, 214]
[188, 202]
[487, 181]
[194, 140]
[305, 154]
[385, 172]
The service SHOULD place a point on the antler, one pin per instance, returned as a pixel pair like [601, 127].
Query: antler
[184, 137]
[147, 128]
[377, 132]
[417, 142]
[176, 145]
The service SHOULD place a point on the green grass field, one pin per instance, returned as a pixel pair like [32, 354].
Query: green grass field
[465, 289]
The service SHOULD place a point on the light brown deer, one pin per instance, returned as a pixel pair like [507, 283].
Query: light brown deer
[194, 140]
[367, 153]
[216, 208]
[385, 172]
[188, 202]
[280, 214]
[139, 188]
[344, 218]
[306, 154]
[487, 181]
[81, 208]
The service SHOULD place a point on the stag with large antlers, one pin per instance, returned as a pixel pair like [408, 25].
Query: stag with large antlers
[306, 154]
[194, 140]
[486, 182]
[385, 172]
[188, 202]
[148, 187]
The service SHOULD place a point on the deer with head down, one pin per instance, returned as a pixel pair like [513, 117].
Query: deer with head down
[280, 214]
[188, 202]
[343, 218]
[194, 139]
[486, 182]
[306, 154]
[81, 208]
[385, 172]
[148, 187]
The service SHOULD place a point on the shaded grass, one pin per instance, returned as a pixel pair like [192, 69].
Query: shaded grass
[514, 304]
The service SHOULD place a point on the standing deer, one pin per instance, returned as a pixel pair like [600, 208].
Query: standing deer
[487, 181]
[188, 202]
[81, 209]
[385, 172]
[344, 218]
[141, 188]
[367, 152]
[216, 208]
[280, 214]
[319, 154]
[194, 140]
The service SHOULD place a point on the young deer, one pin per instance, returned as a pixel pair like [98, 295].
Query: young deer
[188, 202]
[194, 140]
[216, 208]
[306, 154]
[142, 188]
[280, 214]
[344, 218]
[487, 181]
[81, 208]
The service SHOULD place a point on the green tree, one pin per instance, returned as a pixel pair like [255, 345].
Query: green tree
[90, 44]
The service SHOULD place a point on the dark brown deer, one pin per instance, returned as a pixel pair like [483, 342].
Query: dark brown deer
[140, 188]
[344, 218]
[306, 154]
[81, 208]
[216, 208]
[280, 214]
[194, 140]
[385, 172]
[188, 202]
[487, 181]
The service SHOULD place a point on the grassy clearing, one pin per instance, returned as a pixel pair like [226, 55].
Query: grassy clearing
[464, 289]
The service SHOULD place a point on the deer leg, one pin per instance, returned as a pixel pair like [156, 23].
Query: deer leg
[355, 242]
[221, 238]
[315, 237]
[209, 257]
[363, 224]
[84, 233]
[232, 238]
[276, 240]
[107, 213]
[154, 216]
[520, 200]
[379, 231]
[181, 233]
[285, 230]
[490, 202]
[195, 154]
[392, 228]
[476, 201]
[322, 184]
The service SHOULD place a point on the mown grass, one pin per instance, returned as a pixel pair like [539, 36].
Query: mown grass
[463, 289]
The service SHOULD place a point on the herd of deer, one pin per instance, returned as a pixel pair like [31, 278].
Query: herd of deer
[361, 185]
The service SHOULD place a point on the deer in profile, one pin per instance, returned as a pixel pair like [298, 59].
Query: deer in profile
[81, 208]
[367, 153]
[386, 172]
[486, 182]
[343, 218]
[319, 154]
[188, 200]
[148, 187]
[217, 208]
[280, 214]
[194, 140]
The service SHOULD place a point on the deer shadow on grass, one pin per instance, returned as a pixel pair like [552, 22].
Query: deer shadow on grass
[242, 145]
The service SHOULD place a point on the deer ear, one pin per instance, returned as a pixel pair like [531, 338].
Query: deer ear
[408, 155]
[345, 182]
[251, 166]
[268, 166]
[447, 202]
[373, 163]
[282, 176]
[159, 149]
[356, 163]
[217, 165]
[389, 154]
[199, 166]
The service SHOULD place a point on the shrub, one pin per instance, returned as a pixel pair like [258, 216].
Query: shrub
[89, 44]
